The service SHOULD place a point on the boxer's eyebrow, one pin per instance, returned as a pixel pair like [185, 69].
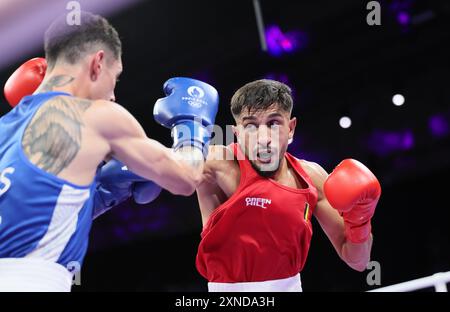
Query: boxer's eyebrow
[274, 115]
[248, 117]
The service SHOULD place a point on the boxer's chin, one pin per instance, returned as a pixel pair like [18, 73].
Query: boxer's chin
[266, 170]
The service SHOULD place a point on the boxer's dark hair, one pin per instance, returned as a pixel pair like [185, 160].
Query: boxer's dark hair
[260, 95]
[72, 41]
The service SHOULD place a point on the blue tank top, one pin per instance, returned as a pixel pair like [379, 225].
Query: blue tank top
[41, 215]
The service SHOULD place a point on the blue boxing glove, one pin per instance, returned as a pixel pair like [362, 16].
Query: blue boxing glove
[116, 183]
[190, 110]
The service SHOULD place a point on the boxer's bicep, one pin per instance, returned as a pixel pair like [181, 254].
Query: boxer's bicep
[117, 126]
[209, 168]
[209, 192]
[209, 196]
[329, 219]
[142, 155]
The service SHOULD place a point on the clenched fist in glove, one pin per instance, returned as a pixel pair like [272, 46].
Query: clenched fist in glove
[354, 191]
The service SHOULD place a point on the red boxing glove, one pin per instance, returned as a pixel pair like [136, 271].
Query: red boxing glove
[354, 191]
[25, 80]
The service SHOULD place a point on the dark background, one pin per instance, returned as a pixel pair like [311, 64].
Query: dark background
[343, 67]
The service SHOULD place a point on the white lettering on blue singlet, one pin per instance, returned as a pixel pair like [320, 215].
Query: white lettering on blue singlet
[5, 183]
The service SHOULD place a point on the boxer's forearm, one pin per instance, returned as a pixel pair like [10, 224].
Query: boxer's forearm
[179, 171]
[355, 255]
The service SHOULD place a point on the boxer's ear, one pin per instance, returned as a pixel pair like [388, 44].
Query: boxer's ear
[96, 65]
[292, 125]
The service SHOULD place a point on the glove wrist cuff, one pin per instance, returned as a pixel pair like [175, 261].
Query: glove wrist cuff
[357, 233]
[191, 133]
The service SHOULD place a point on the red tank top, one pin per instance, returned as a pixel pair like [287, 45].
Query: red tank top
[262, 232]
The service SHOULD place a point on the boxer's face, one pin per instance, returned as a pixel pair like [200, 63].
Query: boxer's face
[264, 137]
[104, 73]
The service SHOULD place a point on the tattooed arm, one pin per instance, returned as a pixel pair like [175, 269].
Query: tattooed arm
[178, 172]
[53, 140]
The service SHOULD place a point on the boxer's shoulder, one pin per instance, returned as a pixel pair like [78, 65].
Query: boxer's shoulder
[110, 118]
[220, 160]
[317, 174]
[220, 152]
[220, 177]
[312, 168]
[220, 157]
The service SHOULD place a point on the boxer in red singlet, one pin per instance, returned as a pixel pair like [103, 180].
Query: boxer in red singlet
[257, 200]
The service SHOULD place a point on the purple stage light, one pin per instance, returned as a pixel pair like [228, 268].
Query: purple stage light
[273, 37]
[403, 18]
[438, 125]
[286, 45]
[407, 140]
[279, 43]
[383, 142]
[401, 11]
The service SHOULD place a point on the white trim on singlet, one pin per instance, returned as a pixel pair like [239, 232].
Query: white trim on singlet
[62, 225]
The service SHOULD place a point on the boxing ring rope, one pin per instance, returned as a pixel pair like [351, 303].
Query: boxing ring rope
[438, 280]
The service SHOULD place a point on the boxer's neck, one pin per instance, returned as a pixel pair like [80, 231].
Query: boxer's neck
[65, 78]
[282, 170]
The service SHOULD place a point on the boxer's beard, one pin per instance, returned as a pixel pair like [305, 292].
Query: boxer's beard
[267, 170]
[264, 173]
